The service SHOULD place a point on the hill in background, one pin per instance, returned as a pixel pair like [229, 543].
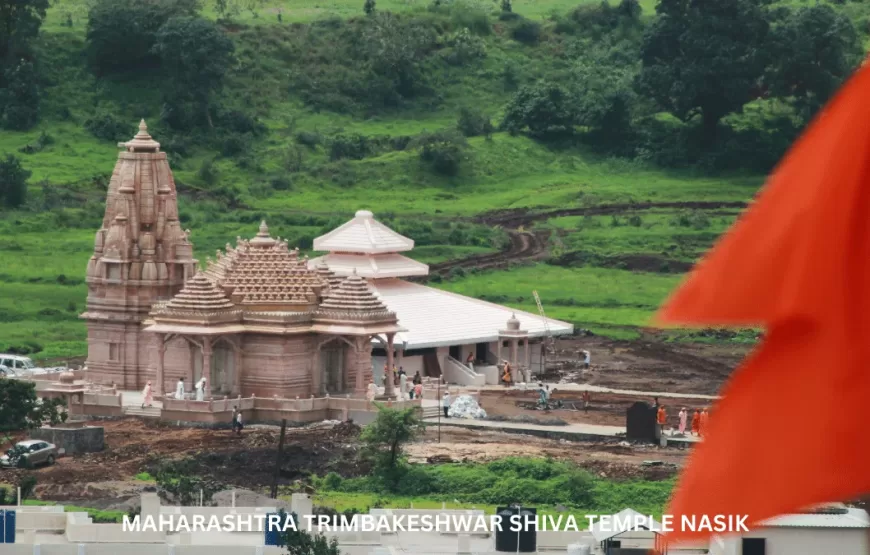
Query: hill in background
[574, 138]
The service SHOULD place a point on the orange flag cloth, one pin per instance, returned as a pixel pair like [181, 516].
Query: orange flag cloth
[790, 430]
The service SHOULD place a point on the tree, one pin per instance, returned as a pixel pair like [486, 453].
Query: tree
[393, 49]
[13, 191]
[121, 33]
[20, 409]
[813, 49]
[546, 109]
[384, 439]
[369, 7]
[19, 100]
[19, 24]
[704, 57]
[196, 54]
[302, 542]
[506, 6]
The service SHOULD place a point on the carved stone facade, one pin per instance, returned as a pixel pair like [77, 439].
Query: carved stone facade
[256, 321]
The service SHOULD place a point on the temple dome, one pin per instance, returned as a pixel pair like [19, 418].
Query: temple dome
[352, 295]
[200, 295]
[513, 324]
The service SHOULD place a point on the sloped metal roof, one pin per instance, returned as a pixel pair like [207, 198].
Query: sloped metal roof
[437, 318]
[852, 518]
[365, 235]
[389, 265]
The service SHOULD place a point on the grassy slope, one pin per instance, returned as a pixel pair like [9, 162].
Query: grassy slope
[506, 172]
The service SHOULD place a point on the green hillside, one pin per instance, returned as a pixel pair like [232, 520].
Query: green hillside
[434, 115]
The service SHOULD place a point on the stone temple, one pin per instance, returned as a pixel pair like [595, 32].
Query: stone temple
[259, 319]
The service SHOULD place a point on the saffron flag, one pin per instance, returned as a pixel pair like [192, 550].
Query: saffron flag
[790, 430]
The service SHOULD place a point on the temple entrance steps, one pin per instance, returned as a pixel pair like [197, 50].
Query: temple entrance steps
[431, 411]
[147, 412]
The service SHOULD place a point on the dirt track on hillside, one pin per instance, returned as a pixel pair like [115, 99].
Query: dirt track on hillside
[530, 246]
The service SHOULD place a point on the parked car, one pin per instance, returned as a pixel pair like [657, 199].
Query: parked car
[30, 453]
[21, 366]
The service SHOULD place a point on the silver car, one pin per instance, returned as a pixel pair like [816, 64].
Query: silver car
[31, 453]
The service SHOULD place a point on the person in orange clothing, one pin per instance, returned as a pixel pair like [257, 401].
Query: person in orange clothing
[661, 419]
[705, 416]
[696, 423]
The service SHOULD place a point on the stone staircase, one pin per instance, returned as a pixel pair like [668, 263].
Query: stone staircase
[147, 412]
[431, 411]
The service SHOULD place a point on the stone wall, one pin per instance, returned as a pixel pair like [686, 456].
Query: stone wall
[87, 439]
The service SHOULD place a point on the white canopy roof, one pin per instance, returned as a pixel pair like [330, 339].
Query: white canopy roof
[850, 518]
[437, 318]
[389, 265]
[363, 235]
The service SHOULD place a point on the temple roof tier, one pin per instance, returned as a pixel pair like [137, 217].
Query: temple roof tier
[363, 235]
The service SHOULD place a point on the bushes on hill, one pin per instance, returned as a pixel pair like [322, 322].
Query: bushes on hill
[13, 182]
[121, 34]
[19, 96]
[473, 123]
[545, 109]
[109, 128]
[443, 151]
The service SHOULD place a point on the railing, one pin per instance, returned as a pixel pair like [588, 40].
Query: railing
[458, 373]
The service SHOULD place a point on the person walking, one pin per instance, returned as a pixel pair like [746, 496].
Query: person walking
[705, 419]
[147, 395]
[661, 419]
[696, 423]
[445, 404]
[179, 389]
[239, 423]
[372, 392]
[683, 416]
[418, 390]
[586, 398]
[234, 422]
[587, 359]
[200, 389]
[403, 385]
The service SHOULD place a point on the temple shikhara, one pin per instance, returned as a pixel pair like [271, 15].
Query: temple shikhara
[261, 319]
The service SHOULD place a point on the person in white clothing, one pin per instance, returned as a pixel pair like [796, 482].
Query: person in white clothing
[445, 404]
[200, 389]
[179, 389]
[587, 359]
[403, 386]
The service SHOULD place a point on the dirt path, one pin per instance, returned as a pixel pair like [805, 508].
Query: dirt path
[528, 246]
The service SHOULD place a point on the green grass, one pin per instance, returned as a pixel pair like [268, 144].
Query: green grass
[47, 246]
[586, 296]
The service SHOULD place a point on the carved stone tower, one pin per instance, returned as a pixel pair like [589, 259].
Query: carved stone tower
[141, 256]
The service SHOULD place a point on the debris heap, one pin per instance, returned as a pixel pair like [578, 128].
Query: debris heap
[466, 407]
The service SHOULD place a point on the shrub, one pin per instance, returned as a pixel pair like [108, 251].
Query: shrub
[635, 220]
[465, 48]
[443, 151]
[234, 144]
[109, 128]
[13, 181]
[208, 173]
[353, 146]
[332, 481]
[695, 219]
[473, 123]
[281, 183]
[309, 138]
[526, 31]
[546, 109]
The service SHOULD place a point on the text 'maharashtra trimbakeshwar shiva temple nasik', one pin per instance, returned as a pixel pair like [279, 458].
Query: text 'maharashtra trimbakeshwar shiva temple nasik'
[262, 320]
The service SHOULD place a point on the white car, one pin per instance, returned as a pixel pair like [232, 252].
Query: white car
[17, 366]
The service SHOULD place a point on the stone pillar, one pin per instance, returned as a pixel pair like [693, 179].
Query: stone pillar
[498, 351]
[514, 352]
[237, 371]
[161, 354]
[528, 354]
[316, 372]
[206, 366]
[360, 344]
[388, 387]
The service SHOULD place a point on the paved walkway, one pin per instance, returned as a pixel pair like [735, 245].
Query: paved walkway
[599, 389]
[577, 432]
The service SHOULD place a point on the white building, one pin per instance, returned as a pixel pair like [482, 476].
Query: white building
[837, 531]
[442, 327]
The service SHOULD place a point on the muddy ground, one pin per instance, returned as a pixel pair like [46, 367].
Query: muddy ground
[107, 480]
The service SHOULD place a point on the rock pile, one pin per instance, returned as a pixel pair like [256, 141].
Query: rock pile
[466, 407]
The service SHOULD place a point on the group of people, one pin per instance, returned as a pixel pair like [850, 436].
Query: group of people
[699, 422]
[148, 392]
[400, 380]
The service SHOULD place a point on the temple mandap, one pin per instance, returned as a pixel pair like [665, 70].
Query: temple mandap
[261, 319]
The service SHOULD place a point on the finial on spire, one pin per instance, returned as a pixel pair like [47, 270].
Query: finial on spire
[264, 229]
[142, 126]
